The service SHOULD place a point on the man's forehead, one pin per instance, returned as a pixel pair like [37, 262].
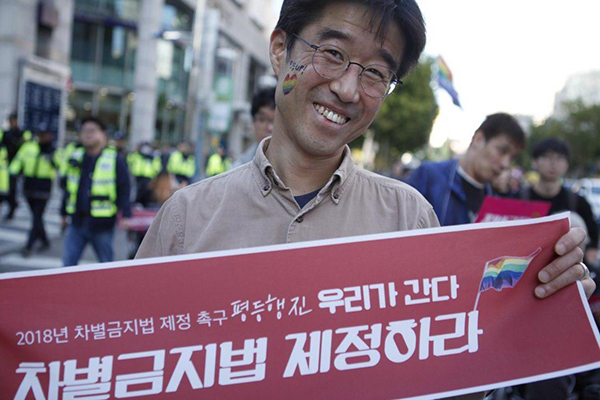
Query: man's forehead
[354, 23]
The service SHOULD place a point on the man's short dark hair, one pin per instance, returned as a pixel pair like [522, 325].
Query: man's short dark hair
[263, 98]
[551, 145]
[96, 121]
[503, 124]
[296, 14]
[13, 115]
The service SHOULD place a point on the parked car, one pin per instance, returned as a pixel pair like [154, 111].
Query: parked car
[590, 189]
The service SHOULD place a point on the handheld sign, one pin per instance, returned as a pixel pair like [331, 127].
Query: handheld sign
[420, 315]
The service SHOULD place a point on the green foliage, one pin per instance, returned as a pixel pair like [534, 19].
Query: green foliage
[581, 130]
[406, 117]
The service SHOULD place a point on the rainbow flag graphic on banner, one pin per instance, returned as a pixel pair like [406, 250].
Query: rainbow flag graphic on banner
[504, 272]
[444, 80]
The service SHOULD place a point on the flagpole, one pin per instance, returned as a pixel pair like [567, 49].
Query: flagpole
[479, 288]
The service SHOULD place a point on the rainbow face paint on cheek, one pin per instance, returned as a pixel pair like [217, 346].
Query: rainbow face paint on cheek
[289, 83]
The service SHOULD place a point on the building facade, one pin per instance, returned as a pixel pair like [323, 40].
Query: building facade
[159, 70]
[584, 87]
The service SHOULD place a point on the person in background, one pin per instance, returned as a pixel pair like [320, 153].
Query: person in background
[38, 162]
[12, 140]
[182, 163]
[120, 143]
[144, 165]
[97, 188]
[218, 162]
[551, 161]
[263, 115]
[456, 188]
[4, 174]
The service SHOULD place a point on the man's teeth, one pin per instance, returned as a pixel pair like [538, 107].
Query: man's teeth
[330, 115]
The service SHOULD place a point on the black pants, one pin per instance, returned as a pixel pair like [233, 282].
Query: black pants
[38, 206]
[143, 192]
[12, 194]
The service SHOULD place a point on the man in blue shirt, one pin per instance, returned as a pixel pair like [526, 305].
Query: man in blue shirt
[456, 188]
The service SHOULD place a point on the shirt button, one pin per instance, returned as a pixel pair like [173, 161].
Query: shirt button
[336, 195]
[300, 219]
[266, 188]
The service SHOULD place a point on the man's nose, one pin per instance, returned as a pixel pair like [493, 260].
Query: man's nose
[347, 86]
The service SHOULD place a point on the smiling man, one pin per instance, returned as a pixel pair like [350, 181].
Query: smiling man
[335, 62]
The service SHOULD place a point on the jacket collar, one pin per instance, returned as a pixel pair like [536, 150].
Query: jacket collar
[268, 178]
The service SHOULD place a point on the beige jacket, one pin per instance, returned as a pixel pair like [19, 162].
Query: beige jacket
[250, 206]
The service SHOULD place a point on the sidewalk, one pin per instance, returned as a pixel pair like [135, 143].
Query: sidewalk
[14, 233]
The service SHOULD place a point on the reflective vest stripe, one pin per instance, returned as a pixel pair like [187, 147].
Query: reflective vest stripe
[4, 175]
[31, 163]
[179, 166]
[103, 192]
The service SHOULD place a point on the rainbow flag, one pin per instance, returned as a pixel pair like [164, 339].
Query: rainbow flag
[444, 80]
[505, 272]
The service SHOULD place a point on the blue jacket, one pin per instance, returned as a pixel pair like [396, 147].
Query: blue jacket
[442, 186]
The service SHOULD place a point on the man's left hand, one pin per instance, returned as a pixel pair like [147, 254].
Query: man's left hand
[566, 269]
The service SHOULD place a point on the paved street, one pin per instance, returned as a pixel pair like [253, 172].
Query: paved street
[14, 233]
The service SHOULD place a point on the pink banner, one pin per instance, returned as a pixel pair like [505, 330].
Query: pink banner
[495, 209]
[421, 314]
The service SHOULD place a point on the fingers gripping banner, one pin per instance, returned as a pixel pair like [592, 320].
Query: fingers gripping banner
[391, 316]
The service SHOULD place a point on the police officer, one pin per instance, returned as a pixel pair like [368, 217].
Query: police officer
[144, 164]
[38, 162]
[13, 139]
[97, 188]
[218, 162]
[4, 174]
[182, 163]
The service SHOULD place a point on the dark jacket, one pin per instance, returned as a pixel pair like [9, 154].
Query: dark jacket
[442, 186]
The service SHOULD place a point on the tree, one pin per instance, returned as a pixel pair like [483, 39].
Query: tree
[581, 130]
[406, 117]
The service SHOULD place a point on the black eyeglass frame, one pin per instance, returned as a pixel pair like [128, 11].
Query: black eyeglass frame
[393, 83]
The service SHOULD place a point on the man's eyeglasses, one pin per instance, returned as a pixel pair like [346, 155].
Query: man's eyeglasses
[330, 62]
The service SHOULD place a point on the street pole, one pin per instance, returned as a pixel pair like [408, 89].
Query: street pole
[193, 128]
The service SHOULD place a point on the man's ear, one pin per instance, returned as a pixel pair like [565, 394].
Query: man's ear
[478, 141]
[277, 50]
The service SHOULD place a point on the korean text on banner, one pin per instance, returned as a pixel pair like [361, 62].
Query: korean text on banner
[391, 316]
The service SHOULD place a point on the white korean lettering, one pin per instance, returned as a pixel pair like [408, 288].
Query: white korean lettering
[406, 330]
[352, 339]
[316, 359]
[186, 367]
[253, 352]
[154, 377]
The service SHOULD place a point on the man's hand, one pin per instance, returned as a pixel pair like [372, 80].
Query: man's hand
[64, 222]
[566, 269]
[125, 223]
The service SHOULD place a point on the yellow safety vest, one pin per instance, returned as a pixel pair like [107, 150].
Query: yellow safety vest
[104, 183]
[65, 155]
[141, 166]
[32, 163]
[4, 175]
[179, 166]
[216, 165]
